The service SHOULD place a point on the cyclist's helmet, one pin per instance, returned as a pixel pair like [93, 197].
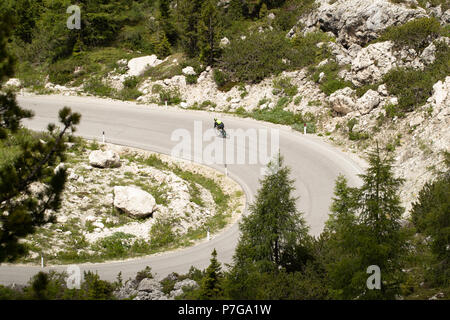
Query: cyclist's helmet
[215, 119]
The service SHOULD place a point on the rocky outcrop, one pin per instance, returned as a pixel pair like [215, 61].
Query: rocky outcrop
[179, 286]
[134, 201]
[372, 62]
[358, 21]
[342, 101]
[189, 71]
[370, 100]
[13, 82]
[440, 100]
[137, 66]
[151, 289]
[104, 159]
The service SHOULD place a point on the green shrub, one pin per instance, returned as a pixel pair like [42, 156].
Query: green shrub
[282, 102]
[61, 72]
[161, 234]
[283, 86]
[310, 127]
[351, 123]
[137, 38]
[146, 273]
[358, 136]
[95, 288]
[277, 116]
[191, 78]
[208, 104]
[115, 246]
[172, 96]
[307, 53]
[392, 111]
[413, 87]
[288, 15]
[156, 88]
[415, 34]
[131, 82]
[430, 215]
[127, 94]
[330, 81]
[220, 77]
[257, 57]
[263, 101]
[96, 87]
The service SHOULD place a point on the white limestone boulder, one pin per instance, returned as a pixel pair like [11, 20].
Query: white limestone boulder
[104, 159]
[134, 201]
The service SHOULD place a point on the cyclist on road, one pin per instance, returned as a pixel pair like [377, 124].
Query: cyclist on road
[219, 124]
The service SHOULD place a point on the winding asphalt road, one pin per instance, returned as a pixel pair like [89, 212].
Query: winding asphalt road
[314, 163]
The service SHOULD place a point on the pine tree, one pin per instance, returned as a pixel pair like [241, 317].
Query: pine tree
[274, 243]
[208, 33]
[211, 284]
[274, 232]
[26, 14]
[165, 22]
[235, 10]
[263, 11]
[30, 185]
[431, 217]
[163, 46]
[189, 16]
[364, 230]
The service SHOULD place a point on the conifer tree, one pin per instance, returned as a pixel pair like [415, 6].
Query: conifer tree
[211, 287]
[163, 46]
[275, 230]
[208, 32]
[189, 14]
[263, 11]
[235, 9]
[30, 184]
[364, 230]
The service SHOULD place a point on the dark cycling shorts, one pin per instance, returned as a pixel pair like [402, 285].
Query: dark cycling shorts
[220, 126]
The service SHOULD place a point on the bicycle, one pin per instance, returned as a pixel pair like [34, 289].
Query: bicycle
[222, 132]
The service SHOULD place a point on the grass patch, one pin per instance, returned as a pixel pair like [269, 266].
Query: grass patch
[330, 82]
[168, 69]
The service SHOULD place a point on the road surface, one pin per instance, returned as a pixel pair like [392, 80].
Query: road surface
[314, 163]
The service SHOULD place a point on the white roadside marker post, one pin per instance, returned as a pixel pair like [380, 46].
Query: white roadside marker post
[103, 136]
[165, 101]
[42, 261]
[304, 128]
[226, 170]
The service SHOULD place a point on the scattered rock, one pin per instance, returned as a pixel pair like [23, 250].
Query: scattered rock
[13, 82]
[416, 121]
[134, 201]
[189, 71]
[358, 21]
[73, 176]
[372, 62]
[224, 42]
[342, 101]
[368, 101]
[178, 287]
[137, 66]
[104, 159]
